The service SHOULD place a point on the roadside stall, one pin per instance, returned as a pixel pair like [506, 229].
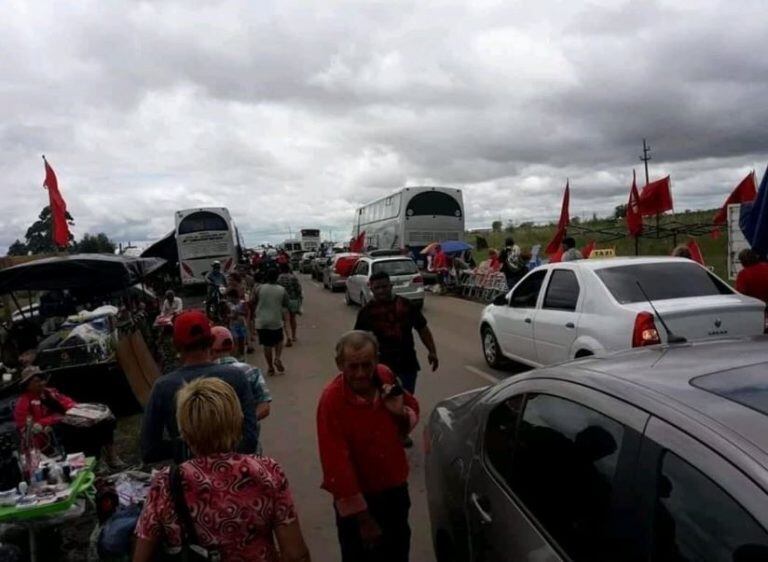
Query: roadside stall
[95, 353]
[85, 354]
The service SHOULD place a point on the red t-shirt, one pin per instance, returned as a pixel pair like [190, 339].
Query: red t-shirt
[753, 281]
[360, 443]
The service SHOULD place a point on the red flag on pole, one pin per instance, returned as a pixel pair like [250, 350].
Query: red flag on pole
[586, 251]
[59, 225]
[554, 245]
[656, 197]
[358, 244]
[745, 192]
[696, 256]
[634, 218]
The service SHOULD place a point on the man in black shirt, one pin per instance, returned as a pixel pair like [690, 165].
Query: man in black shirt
[392, 320]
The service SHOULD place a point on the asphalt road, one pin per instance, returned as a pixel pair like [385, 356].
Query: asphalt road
[289, 434]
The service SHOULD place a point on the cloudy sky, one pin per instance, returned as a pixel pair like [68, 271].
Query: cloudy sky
[291, 113]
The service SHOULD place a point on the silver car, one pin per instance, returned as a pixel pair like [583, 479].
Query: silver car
[334, 279]
[406, 279]
[654, 454]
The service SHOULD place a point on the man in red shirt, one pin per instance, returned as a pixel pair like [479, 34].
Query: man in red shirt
[753, 279]
[362, 418]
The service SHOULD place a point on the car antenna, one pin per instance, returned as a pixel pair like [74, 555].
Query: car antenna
[671, 336]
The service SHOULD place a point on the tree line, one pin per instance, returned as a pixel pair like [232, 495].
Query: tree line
[38, 239]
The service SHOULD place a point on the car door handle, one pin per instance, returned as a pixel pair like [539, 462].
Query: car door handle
[477, 501]
[570, 325]
[527, 320]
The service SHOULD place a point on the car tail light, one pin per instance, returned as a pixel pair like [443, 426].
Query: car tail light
[765, 321]
[419, 280]
[187, 269]
[645, 332]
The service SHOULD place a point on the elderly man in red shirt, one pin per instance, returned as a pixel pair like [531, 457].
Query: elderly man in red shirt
[753, 279]
[362, 419]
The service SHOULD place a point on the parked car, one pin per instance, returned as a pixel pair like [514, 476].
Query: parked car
[322, 261]
[561, 311]
[338, 269]
[650, 454]
[406, 279]
[305, 264]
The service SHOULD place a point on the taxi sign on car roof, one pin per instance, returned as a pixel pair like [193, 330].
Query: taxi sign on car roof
[602, 253]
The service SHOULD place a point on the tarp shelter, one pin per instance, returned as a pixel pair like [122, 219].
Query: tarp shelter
[165, 248]
[100, 272]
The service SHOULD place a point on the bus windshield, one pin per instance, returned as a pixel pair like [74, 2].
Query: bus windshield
[202, 221]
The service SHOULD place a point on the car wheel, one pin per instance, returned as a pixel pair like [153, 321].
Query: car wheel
[491, 350]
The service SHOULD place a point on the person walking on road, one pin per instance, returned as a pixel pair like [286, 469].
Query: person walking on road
[235, 507]
[362, 418]
[295, 298]
[271, 299]
[512, 266]
[392, 319]
[221, 352]
[192, 338]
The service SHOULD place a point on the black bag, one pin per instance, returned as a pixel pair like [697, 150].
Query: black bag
[191, 551]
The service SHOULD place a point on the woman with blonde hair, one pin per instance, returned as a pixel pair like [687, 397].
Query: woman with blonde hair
[231, 505]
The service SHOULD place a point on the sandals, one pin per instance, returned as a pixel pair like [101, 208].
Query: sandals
[289, 342]
[280, 366]
[271, 373]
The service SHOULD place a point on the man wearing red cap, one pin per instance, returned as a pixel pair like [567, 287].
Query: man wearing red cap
[192, 337]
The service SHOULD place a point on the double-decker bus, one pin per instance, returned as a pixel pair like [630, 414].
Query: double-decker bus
[202, 237]
[412, 216]
[310, 239]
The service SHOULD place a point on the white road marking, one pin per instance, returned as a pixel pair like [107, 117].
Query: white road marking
[482, 374]
[318, 285]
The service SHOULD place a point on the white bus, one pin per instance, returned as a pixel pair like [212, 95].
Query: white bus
[291, 245]
[413, 216]
[310, 239]
[202, 237]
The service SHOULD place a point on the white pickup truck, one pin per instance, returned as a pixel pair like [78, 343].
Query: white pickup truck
[573, 309]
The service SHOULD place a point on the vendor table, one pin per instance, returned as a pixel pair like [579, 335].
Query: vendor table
[34, 518]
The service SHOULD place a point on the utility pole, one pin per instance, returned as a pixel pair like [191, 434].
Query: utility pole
[646, 157]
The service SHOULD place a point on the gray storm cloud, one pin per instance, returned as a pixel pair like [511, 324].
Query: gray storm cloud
[291, 114]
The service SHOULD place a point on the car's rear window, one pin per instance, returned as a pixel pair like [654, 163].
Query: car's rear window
[395, 267]
[747, 386]
[660, 281]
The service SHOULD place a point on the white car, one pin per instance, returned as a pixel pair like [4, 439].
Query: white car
[406, 279]
[562, 311]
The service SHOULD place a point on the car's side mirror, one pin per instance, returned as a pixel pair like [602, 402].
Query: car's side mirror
[501, 300]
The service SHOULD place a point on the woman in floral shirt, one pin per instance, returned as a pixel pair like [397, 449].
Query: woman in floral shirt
[239, 504]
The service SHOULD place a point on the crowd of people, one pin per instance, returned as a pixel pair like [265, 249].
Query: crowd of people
[221, 496]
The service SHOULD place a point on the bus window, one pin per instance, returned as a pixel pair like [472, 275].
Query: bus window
[202, 221]
[433, 203]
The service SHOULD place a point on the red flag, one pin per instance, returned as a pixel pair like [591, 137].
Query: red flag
[656, 197]
[554, 245]
[59, 226]
[358, 244]
[586, 251]
[634, 218]
[557, 257]
[696, 256]
[743, 193]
